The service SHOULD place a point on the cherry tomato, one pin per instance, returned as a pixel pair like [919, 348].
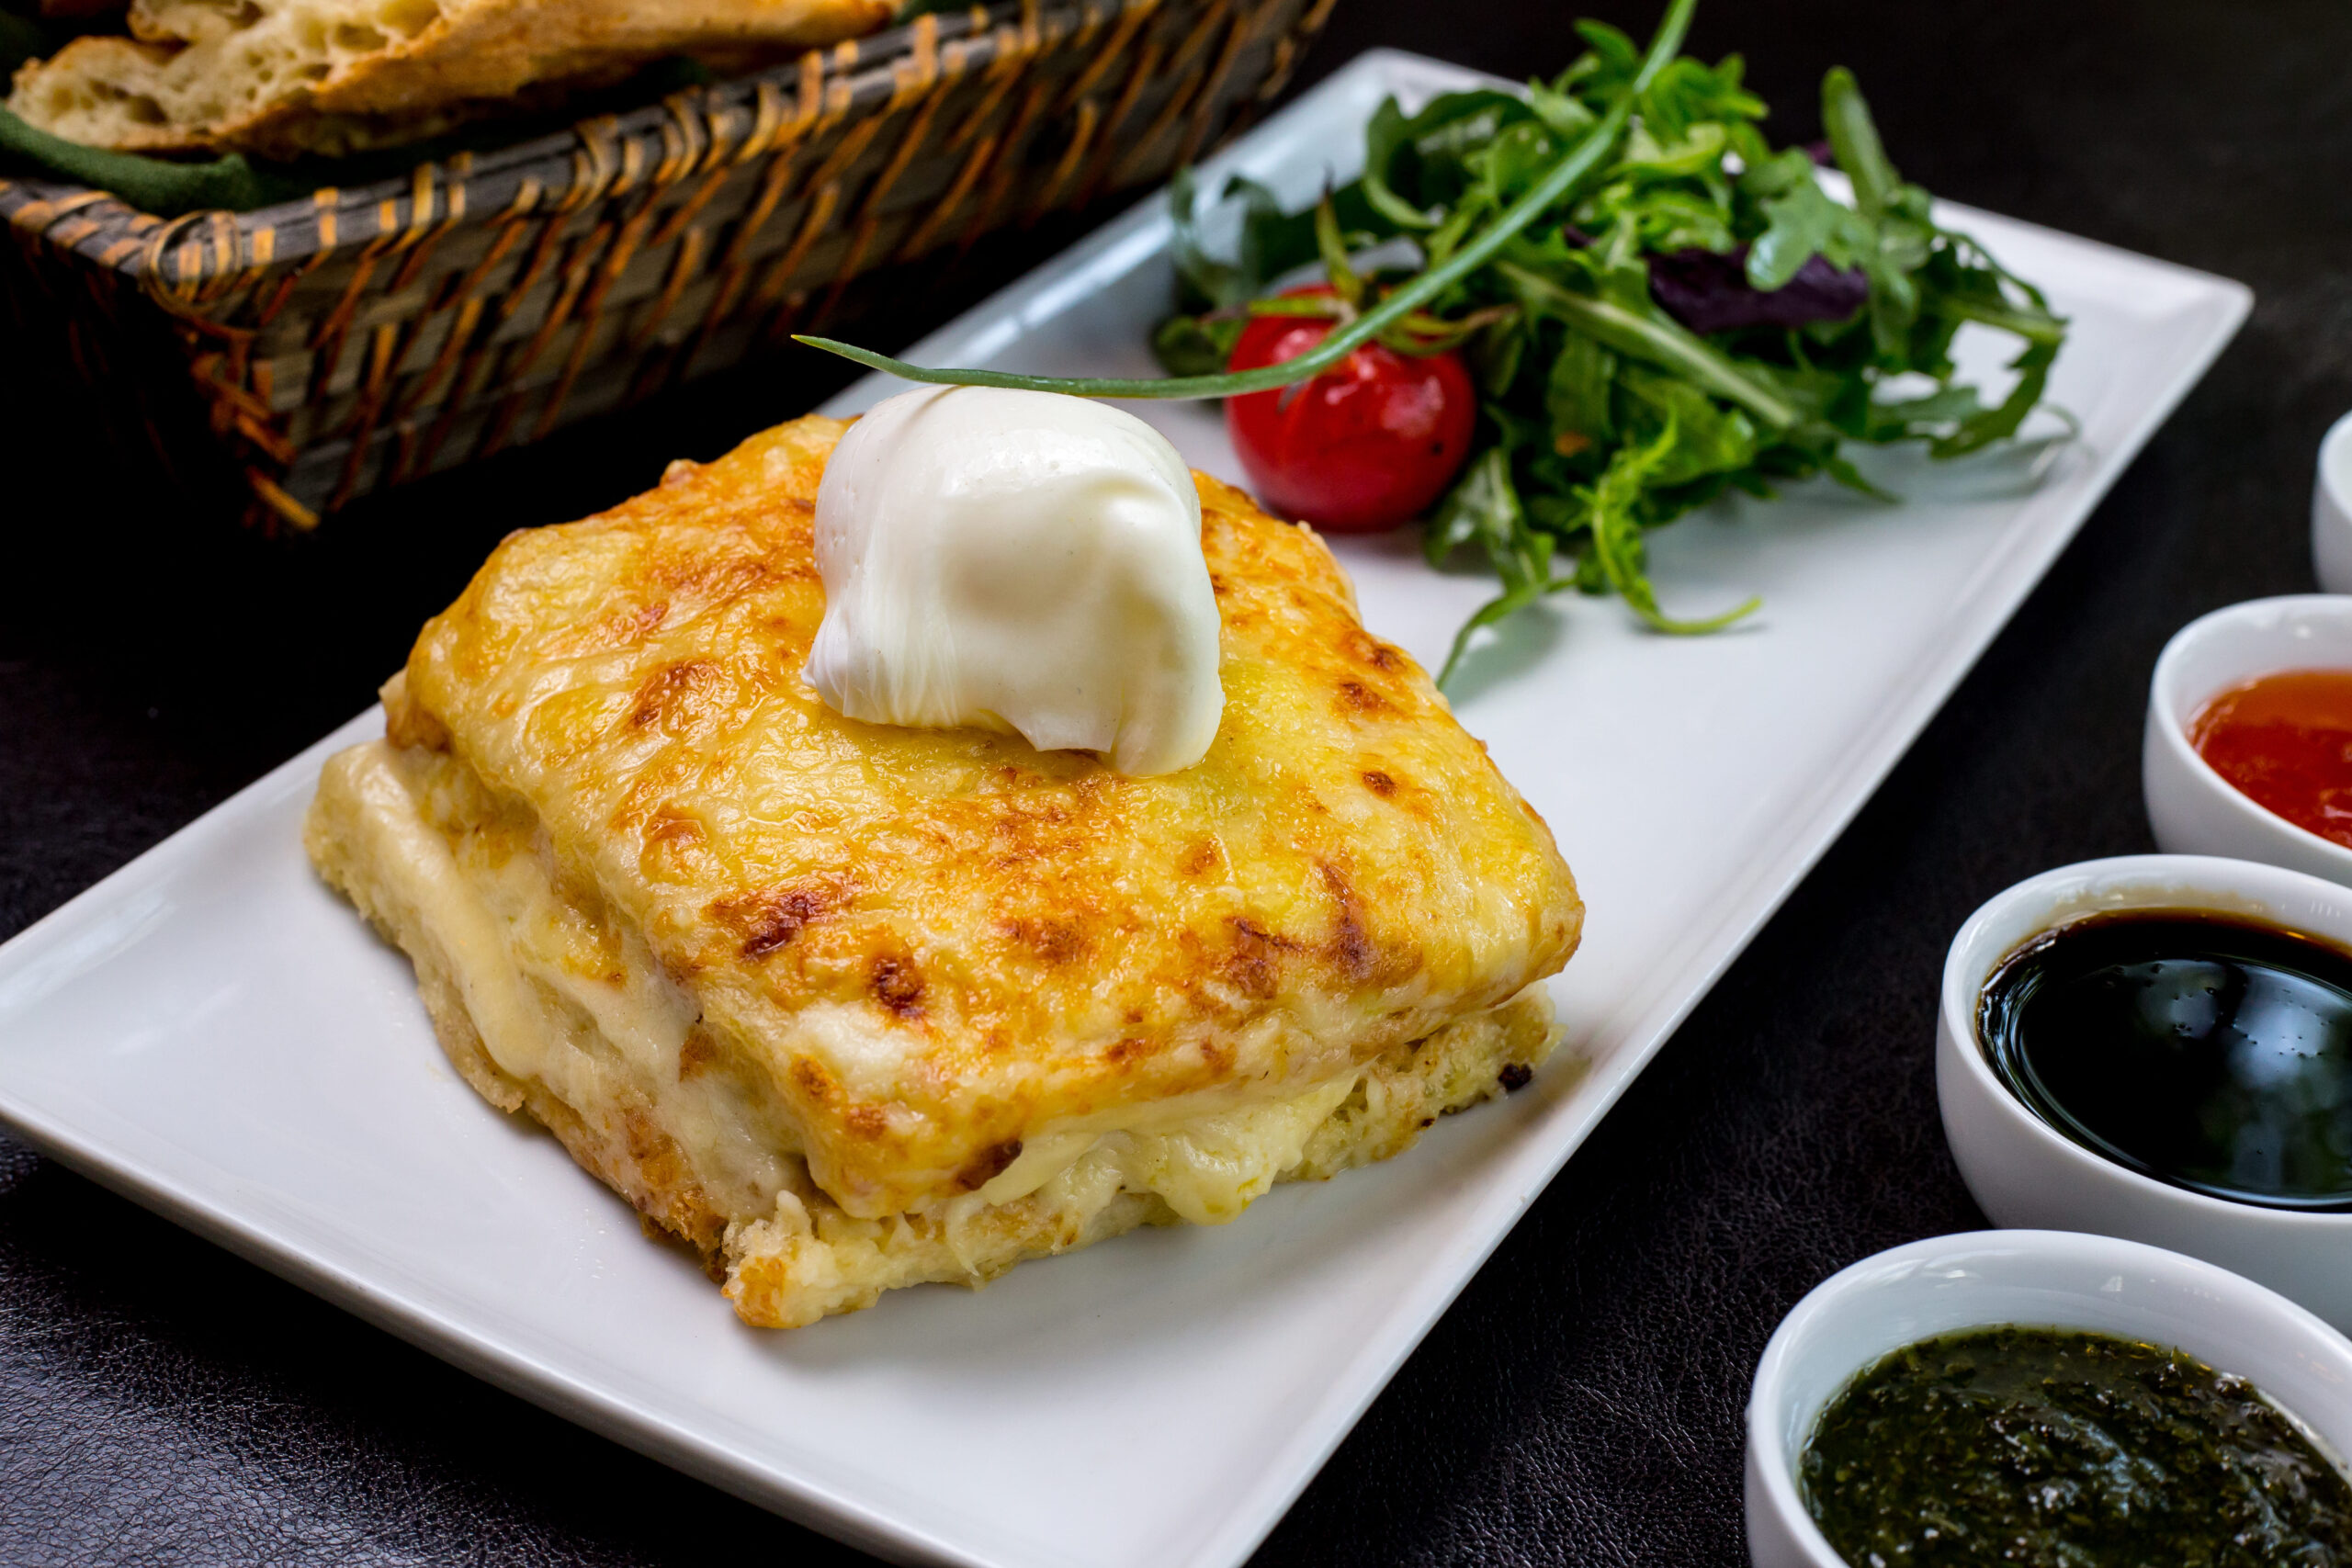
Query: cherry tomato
[1363, 446]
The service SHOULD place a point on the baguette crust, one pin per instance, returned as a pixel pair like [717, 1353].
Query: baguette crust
[283, 78]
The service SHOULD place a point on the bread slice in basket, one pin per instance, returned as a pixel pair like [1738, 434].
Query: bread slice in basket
[282, 77]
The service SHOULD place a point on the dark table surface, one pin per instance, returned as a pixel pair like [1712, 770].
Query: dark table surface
[161, 1402]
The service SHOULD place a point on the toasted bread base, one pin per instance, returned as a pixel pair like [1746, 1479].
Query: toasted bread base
[803, 1256]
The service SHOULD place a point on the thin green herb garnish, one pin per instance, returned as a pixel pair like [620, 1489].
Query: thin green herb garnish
[1579, 160]
[1656, 305]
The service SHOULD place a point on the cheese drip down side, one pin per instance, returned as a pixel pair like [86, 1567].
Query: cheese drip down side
[1018, 561]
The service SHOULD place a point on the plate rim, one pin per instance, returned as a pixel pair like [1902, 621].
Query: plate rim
[1992, 602]
[1250, 1515]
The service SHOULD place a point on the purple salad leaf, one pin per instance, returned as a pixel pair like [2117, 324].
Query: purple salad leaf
[1710, 293]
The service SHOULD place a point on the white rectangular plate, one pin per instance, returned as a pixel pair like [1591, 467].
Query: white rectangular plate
[211, 1033]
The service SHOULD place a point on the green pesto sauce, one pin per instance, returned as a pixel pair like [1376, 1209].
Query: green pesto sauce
[2057, 1449]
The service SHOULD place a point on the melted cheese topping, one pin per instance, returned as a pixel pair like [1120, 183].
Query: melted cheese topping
[928, 951]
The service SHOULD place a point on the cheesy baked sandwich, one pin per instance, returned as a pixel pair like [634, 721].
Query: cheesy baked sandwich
[284, 77]
[847, 1006]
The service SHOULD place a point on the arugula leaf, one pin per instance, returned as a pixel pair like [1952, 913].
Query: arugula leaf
[1657, 338]
[1707, 439]
[1576, 393]
[1331, 245]
[1699, 149]
[1562, 113]
[1999, 424]
[1412, 151]
[1854, 142]
[1203, 282]
[1907, 417]
[1483, 507]
[1196, 346]
[1495, 352]
[1800, 223]
[1687, 93]
[1607, 68]
[1513, 163]
[1612, 504]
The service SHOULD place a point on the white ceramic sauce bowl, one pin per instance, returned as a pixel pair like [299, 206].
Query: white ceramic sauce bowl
[2045, 1279]
[2194, 810]
[2024, 1172]
[2332, 510]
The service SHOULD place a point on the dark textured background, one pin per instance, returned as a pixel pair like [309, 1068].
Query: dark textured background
[161, 1402]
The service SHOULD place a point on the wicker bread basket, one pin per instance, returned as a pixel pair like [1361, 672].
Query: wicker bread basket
[302, 354]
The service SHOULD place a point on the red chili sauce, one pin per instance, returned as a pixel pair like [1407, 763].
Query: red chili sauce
[2284, 741]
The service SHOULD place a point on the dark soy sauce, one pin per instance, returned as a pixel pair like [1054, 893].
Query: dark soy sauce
[2206, 1051]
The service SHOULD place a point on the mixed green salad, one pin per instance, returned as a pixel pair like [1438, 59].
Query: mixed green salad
[1653, 304]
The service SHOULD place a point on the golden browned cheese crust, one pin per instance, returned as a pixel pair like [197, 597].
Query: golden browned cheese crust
[932, 947]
